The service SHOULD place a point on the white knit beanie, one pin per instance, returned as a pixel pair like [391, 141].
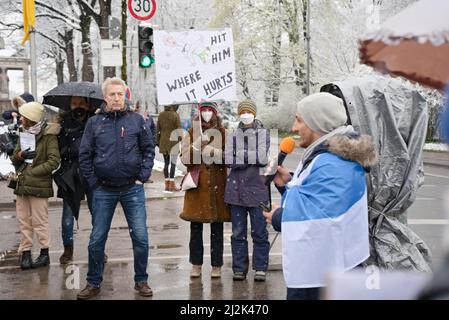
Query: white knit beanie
[322, 112]
[33, 111]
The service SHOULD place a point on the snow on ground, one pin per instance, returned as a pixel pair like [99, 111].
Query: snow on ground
[5, 165]
[159, 166]
[436, 147]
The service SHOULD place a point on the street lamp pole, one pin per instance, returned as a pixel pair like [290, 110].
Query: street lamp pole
[33, 63]
[308, 49]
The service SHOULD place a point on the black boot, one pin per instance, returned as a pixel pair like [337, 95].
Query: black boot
[25, 261]
[41, 261]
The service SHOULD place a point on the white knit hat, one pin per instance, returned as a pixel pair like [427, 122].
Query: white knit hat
[33, 111]
[322, 112]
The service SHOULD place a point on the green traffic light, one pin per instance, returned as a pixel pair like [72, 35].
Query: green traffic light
[146, 61]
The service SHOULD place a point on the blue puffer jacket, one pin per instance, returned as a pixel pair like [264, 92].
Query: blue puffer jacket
[116, 150]
[246, 156]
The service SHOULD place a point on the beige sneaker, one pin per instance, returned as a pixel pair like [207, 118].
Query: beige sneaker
[196, 271]
[216, 272]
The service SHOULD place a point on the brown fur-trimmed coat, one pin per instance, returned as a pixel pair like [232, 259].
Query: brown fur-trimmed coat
[205, 203]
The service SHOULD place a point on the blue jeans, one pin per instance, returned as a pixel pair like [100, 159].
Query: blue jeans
[104, 204]
[239, 242]
[68, 220]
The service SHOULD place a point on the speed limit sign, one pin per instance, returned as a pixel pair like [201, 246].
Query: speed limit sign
[142, 9]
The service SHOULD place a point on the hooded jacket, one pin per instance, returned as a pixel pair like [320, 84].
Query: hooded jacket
[35, 179]
[116, 149]
[324, 212]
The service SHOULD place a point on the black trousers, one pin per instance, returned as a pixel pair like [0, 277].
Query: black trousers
[303, 293]
[216, 243]
[167, 160]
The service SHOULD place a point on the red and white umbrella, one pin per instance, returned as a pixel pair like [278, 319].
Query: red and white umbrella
[413, 44]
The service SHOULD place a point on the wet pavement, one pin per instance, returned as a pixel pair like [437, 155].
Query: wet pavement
[169, 265]
[168, 268]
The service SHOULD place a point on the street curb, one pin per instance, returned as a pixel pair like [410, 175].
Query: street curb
[436, 164]
[12, 205]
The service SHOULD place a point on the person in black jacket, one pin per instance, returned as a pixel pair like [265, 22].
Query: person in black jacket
[71, 184]
[116, 159]
[13, 114]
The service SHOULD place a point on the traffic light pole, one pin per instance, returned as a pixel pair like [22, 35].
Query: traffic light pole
[308, 49]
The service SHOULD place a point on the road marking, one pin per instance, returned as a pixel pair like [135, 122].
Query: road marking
[426, 199]
[428, 221]
[436, 176]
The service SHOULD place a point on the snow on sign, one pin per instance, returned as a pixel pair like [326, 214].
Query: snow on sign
[194, 65]
[142, 9]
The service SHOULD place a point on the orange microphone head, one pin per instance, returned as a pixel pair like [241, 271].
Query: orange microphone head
[287, 145]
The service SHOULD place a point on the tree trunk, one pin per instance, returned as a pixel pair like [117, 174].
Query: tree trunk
[87, 72]
[273, 77]
[70, 55]
[105, 13]
[123, 38]
[59, 67]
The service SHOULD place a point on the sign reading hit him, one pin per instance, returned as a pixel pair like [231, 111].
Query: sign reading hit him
[194, 66]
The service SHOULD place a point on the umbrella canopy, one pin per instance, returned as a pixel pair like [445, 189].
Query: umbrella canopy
[413, 44]
[61, 95]
[395, 116]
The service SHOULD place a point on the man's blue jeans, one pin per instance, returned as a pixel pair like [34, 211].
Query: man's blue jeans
[68, 219]
[104, 204]
[239, 242]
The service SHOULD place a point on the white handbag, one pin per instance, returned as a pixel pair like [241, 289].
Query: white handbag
[190, 180]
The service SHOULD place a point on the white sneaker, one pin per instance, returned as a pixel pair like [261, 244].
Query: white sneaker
[196, 271]
[216, 272]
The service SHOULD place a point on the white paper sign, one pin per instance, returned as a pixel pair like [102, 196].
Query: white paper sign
[27, 142]
[194, 66]
[111, 53]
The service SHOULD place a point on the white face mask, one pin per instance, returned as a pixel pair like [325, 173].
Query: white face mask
[206, 115]
[247, 118]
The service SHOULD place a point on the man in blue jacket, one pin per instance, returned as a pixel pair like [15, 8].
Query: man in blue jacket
[116, 158]
[324, 212]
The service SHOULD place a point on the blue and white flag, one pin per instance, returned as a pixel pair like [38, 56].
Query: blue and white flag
[324, 221]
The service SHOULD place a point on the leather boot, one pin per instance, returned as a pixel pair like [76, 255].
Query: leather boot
[167, 185]
[173, 186]
[41, 261]
[88, 292]
[67, 256]
[25, 260]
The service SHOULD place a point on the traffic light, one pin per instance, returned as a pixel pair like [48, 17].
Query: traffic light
[146, 58]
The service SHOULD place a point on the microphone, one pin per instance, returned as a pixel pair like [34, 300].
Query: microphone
[287, 146]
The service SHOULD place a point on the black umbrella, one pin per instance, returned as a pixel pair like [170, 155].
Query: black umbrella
[61, 95]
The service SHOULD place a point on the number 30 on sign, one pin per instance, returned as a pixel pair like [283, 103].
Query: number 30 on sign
[142, 9]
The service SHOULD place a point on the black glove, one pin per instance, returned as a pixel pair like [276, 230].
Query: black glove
[9, 148]
[27, 154]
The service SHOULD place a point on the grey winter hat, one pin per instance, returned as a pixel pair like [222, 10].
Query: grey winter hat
[322, 112]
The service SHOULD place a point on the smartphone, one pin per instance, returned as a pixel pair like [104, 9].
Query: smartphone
[265, 207]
